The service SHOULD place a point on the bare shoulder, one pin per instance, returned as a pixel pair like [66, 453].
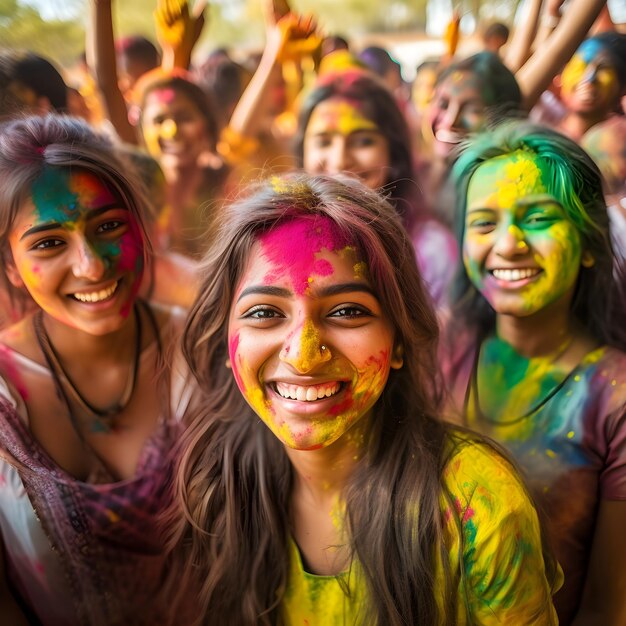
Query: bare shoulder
[18, 340]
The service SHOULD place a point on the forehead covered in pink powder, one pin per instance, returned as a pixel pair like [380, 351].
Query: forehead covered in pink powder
[292, 246]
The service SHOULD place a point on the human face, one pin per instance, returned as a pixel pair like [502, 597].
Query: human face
[339, 138]
[310, 345]
[520, 249]
[457, 109]
[174, 130]
[589, 81]
[77, 250]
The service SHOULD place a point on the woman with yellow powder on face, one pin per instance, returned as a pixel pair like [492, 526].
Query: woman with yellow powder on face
[534, 353]
[593, 83]
[351, 123]
[317, 486]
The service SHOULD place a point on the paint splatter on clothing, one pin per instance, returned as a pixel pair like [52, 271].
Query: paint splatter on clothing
[499, 556]
[572, 449]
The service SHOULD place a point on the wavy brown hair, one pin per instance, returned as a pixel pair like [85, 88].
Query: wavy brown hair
[230, 526]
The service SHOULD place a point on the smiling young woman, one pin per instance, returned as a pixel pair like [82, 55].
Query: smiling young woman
[84, 437]
[350, 123]
[534, 354]
[317, 485]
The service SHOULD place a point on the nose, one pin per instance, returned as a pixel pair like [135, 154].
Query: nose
[303, 349]
[87, 262]
[338, 156]
[511, 242]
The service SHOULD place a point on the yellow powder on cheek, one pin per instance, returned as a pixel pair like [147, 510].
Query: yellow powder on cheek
[151, 137]
[31, 275]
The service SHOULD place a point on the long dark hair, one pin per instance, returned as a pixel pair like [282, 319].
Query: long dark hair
[234, 480]
[572, 177]
[377, 104]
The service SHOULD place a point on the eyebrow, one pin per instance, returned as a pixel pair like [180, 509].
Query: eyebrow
[54, 225]
[523, 204]
[331, 290]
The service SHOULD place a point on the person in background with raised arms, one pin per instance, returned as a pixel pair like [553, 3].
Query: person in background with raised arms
[92, 401]
[534, 349]
[317, 485]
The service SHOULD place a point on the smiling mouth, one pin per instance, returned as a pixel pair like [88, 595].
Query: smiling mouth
[513, 275]
[448, 136]
[308, 393]
[96, 296]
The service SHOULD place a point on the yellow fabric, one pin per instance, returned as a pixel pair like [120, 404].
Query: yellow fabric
[503, 579]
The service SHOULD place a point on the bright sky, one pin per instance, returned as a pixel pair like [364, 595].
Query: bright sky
[55, 9]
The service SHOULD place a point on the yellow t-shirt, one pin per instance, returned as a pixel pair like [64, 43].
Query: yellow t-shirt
[501, 564]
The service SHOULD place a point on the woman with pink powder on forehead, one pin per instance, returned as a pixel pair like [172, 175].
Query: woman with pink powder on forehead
[89, 400]
[316, 484]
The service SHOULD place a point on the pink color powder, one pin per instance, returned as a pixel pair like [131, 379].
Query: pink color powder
[292, 246]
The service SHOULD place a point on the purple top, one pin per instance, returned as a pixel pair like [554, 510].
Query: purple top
[437, 254]
[573, 451]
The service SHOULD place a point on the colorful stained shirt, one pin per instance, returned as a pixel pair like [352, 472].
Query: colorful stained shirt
[498, 558]
[84, 553]
[572, 450]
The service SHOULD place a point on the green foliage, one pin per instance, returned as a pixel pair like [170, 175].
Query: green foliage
[22, 28]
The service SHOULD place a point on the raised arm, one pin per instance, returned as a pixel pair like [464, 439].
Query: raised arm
[245, 120]
[537, 73]
[178, 28]
[519, 48]
[102, 60]
[604, 600]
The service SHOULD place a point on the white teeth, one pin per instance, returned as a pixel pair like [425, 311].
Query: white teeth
[516, 274]
[310, 393]
[448, 136]
[97, 296]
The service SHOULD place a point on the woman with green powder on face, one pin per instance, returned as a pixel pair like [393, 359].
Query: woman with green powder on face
[533, 356]
[89, 402]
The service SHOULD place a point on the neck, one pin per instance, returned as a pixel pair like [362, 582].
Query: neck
[576, 125]
[322, 474]
[536, 335]
[71, 343]
[182, 185]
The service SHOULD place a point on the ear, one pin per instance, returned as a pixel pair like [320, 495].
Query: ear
[587, 259]
[397, 358]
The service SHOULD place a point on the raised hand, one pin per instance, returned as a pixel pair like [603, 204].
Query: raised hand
[178, 29]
